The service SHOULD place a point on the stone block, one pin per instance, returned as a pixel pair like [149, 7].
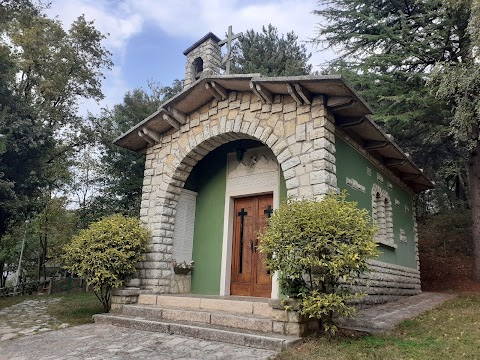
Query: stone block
[284, 155]
[234, 104]
[240, 322]
[263, 309]
[255, 106]
[292, 183]
[266, 108]
[290, 163]
[302, 119]
[302, 109]
[278, 327]
[301, 132]
[186, 315]
[264, 342]
[287, 108]
[297, 329]
[289, 116]
[179, 301]
[277, 107]
[147, 299]
[233, 306]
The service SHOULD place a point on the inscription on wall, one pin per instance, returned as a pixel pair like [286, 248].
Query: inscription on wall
[184, 226]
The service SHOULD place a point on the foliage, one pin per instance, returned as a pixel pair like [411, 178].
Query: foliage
[53, 227]
[320, 245]
[44, 72]
[105, 254]
[459, 84]
[121, 172]
[75, 308]
[448, 332]
[270, 54]
[387, 50]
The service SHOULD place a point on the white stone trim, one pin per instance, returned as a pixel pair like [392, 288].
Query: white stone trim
[382, 216]
[230, 194]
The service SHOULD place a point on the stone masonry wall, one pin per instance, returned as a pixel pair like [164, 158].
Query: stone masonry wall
[387, 282]
[301, 137]
[211, 55]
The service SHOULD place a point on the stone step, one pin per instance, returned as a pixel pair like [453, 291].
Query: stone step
[238, 305]
[202, 331]
[237, 321]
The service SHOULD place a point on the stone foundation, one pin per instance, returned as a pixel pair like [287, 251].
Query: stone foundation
[387, 282]
[181, 284]
[128, 295]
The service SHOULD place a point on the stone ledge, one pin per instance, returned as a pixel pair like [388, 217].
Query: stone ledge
[251, 339]
[130, 291]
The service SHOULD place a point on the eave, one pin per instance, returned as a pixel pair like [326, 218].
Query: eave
[350, 110]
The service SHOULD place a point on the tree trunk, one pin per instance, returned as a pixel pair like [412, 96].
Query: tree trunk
[474, 177]
[3, 279]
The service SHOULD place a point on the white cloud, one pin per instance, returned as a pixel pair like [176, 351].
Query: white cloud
[194, 18]
[120, 23]
[188, 19]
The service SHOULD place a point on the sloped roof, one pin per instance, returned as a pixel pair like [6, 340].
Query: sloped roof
[350, 110]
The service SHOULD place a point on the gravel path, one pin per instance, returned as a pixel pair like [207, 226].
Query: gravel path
[95, 341]
[27, 318]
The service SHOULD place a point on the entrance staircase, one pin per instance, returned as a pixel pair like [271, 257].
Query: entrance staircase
[236, 320]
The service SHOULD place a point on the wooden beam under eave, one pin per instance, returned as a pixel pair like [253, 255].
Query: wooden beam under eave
[304, 93]
[146, 137]
[339, 102]
[395, 162]
[267, 95]
[177, 115]
[293, 93]
[372, 145]
[255, 91]
[212, 92]
[220, 90]
[171, 121]
[349, 122]
[152, 135]
[406, 176]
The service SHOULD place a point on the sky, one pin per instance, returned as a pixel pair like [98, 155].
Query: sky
[147, 37]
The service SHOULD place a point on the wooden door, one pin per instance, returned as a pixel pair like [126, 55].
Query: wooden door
[249, 274]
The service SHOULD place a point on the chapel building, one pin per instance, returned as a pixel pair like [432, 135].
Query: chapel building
[223, 154]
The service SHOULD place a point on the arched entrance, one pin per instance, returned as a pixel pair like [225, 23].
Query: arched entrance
[243, 174]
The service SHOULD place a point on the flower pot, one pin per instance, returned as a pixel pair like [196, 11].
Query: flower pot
[181, 271]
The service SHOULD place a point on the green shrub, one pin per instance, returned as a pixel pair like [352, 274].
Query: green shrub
[105, 254]
[317, 247]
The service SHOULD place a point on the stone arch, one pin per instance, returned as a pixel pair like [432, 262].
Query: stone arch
[301, 138]
[197, 68]
[382, 215]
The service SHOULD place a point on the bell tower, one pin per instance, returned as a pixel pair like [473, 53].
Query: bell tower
[203, 58]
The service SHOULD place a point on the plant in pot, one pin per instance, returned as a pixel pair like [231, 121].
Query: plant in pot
[182, 268]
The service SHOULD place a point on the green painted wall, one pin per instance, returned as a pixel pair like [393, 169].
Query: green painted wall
[350, 163]
[208, 179]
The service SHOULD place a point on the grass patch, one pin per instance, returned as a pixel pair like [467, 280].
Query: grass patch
[76, 308]
[448, 332]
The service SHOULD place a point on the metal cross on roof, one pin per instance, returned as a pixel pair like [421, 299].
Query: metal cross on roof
[228, 57]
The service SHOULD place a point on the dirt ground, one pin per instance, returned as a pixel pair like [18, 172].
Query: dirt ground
[446, 262]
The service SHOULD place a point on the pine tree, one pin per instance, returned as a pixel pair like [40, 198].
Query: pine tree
[270, 54]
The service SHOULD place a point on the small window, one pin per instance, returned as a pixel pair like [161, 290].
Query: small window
[382, 216]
